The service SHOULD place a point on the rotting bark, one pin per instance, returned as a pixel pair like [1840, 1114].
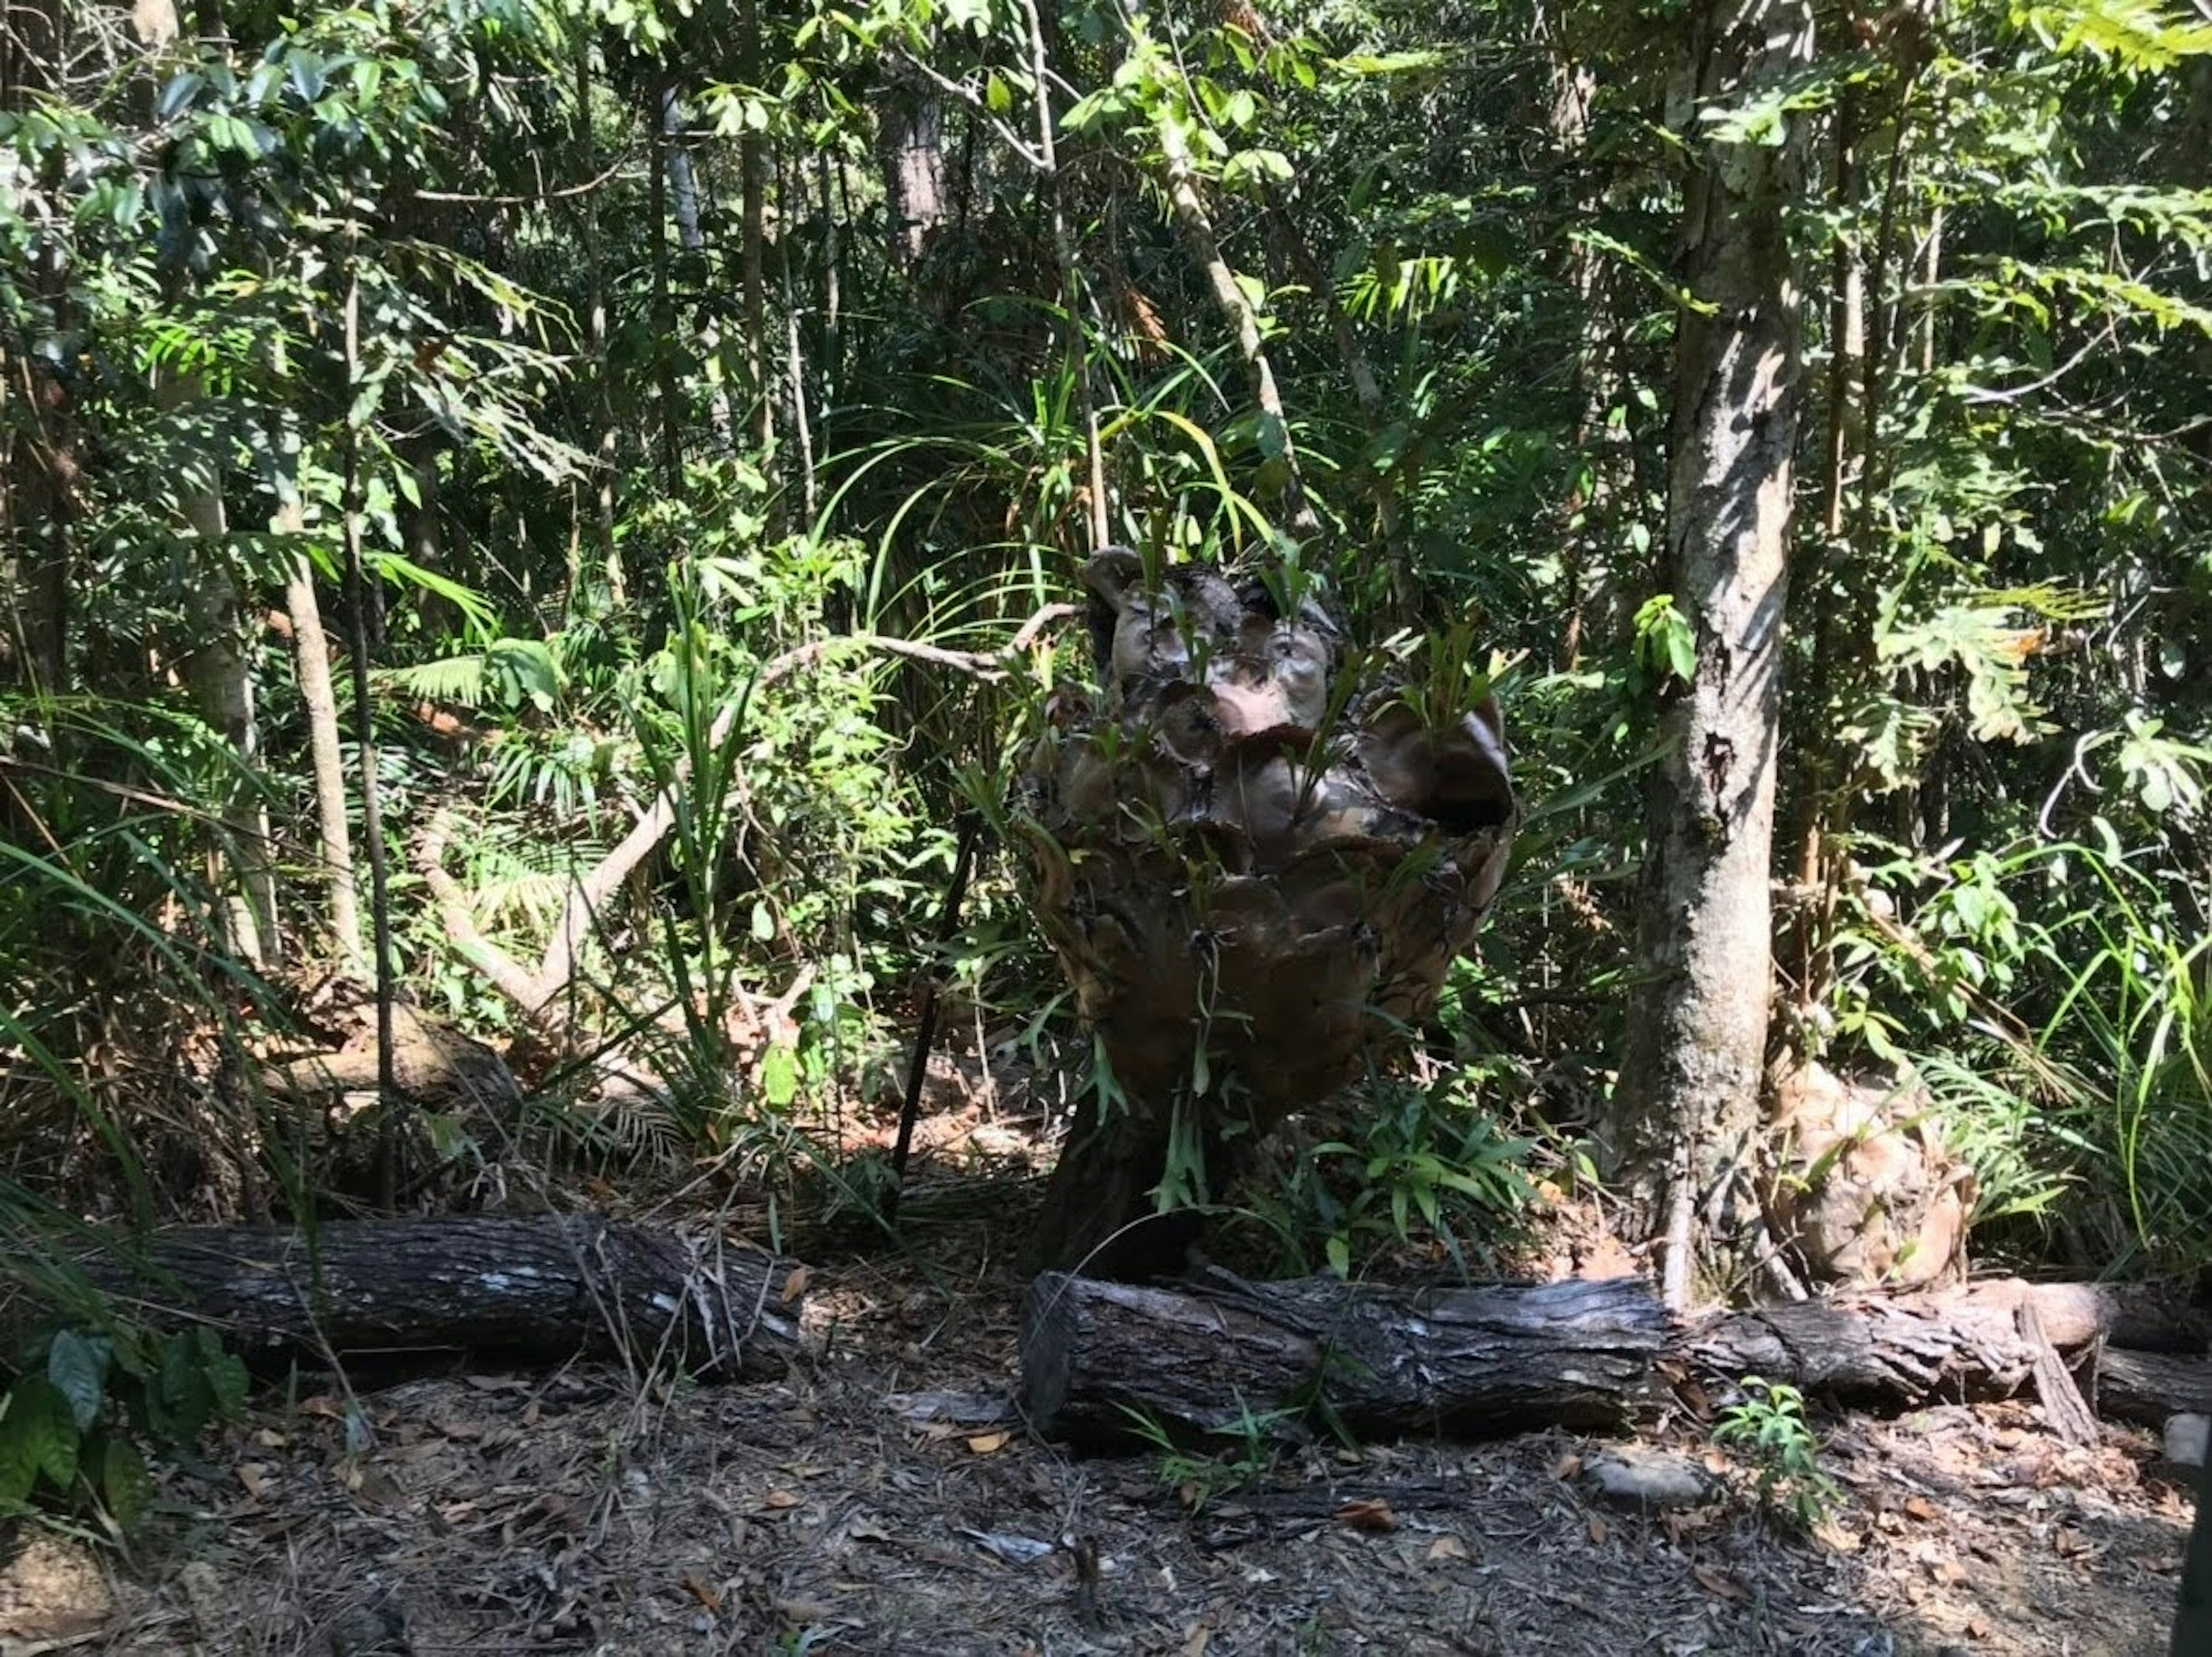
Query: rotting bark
[1256, 856]
[546, 1289]
[1198, 1357]
[1460, 1361]
[1686, 1111]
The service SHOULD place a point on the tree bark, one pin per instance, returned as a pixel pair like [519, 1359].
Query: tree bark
[1686, 1111]
[910, 152]
[311, 652]
[1098, 1358]
[545, 1288]
[216, 669]
[1198, 1358]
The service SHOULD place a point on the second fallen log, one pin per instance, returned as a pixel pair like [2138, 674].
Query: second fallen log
[1099, 1359]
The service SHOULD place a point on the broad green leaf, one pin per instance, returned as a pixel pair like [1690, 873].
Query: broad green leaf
[124, 1484]
[78, 1365]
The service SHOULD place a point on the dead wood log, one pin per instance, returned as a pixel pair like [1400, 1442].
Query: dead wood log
[2146, 1387]
[549, 1288]
[1098, 1358]
[1900, 1349]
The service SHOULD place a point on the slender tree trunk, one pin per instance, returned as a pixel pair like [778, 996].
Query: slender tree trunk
[311, 649]
[1205, 245]
[910, 152]
[606, 452]
[1687, 1104]
[1589, 541]
[664, 309]
[38, 451]
[691, 236]
[752, 180]
[364, 731]
[219, 674]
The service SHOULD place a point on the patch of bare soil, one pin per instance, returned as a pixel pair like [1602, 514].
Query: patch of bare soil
[885, 1501]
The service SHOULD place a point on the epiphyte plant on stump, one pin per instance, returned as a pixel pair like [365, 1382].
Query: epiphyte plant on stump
[1256, 851]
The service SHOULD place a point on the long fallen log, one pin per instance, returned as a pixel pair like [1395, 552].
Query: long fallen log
[1100, 1358]
[548, 1288]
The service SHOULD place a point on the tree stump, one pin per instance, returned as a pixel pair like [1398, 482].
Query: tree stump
[1255, 854]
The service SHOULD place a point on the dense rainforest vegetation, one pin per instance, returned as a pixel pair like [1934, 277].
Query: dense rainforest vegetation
[559, 508]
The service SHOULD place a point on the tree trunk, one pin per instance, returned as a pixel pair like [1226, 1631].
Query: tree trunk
[2192, 1630]
[216, 670]
[606, 448]
[1686, 1111]
[691, 237]
[311, 654]
[664, 311]
[752, 183]
[1098, 1359]
[1256, 860]
[910, 152]
[544, 1289]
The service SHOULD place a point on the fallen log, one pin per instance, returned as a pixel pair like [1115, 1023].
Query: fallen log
[549, 1288]
[1100, 1358]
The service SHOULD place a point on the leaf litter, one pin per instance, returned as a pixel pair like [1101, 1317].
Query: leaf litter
[884, 1499]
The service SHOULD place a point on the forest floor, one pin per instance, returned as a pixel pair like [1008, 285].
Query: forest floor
[884, 1500]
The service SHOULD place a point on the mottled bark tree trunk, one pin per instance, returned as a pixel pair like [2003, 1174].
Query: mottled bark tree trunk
[1687, 1110]
[910, 151]
[311, 649]
[37, 452]
[218, 671]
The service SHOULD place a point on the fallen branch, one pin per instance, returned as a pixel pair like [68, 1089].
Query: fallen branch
[1099, 1358]
[549, 1289]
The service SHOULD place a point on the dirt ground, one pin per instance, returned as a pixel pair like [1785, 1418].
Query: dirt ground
[886, 1501]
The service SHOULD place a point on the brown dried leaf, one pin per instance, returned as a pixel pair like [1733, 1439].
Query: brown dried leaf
[702, 1591]
[781, 1498]
[1598, 1532]
[1368, 1514]
[1920, 1507]
[1445, 1548]
[988, 1443]
[794, 1285]
[1717, 1583]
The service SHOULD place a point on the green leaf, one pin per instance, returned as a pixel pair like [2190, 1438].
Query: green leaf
[39, 1433]
[77, 1366]
[779, 1075]
[124, 1484]
[226, 1377]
